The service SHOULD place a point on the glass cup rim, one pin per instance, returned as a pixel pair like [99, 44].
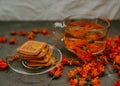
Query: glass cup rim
[95, 17]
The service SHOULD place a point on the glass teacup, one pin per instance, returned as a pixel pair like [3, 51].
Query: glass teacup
[85, 33]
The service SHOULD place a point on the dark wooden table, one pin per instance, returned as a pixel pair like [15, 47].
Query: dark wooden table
[11, 78]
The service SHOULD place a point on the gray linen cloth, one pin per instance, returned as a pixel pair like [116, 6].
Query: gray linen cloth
[57, 9]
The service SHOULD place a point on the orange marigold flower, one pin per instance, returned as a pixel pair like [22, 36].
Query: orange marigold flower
[119, 72]
[73, 82]
[117, 83]
[3, 39]
[77, 63]
[52, 72]
[82, 81]
[13, 32]
[117, 59]
[22, 32]
[3, 64]
[14, 57]
[12, 41]
[44, 31]
[96, 82]
[64, 60]
[78, 70]
[58, 73]
[71, 74]
[94, 73]
[35, 30]
[70, 62]
[30, 35]
[84, 73]
[60, 66]
[100, 69]
[116, 66]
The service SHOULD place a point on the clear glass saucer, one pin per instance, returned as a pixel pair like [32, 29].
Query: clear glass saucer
[20, 67]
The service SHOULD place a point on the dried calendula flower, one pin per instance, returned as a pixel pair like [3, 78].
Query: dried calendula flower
[117, 83]
[22, 32]
[12, 41]
[52, 72]
[74, 82]
[30, 35]
[13, 57]
[3, 39]
[13, 32]
[3, 64]
[44, 31]
[35, 30]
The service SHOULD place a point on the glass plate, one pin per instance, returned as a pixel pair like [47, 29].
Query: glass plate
[20, 67]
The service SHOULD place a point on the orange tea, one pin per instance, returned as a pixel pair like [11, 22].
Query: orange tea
[85, 36]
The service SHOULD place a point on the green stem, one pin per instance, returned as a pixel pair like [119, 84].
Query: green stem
[51, 80]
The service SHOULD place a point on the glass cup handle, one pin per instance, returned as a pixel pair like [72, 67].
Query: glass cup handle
[57, 31]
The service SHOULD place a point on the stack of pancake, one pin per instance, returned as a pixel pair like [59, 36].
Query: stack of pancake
[36, 53]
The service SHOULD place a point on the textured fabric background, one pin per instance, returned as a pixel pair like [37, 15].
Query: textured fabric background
[56, 9]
